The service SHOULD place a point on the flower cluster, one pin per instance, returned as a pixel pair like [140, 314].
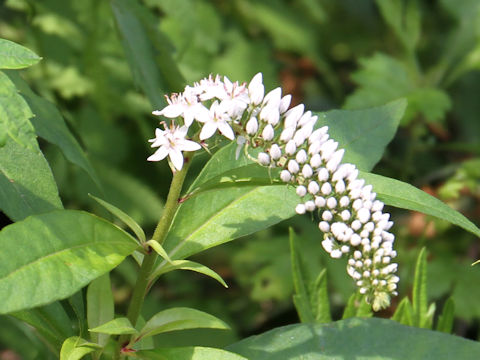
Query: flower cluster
[351, 218]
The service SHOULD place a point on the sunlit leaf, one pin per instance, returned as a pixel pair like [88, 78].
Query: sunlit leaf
[117, 326]
[14, 56]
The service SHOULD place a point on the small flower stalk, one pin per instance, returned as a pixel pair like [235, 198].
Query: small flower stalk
[349, 215]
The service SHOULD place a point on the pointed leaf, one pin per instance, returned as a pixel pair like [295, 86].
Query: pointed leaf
[364, 134]
[319, 299]
[100, 306]
[75, 348]
[14, 116]
[51, 256]
[445, 320]
[119, 326]
[187, 265]
[368, 339]
[419, 293]
[180, 319]
[404, 313]
[187, 353]
[77, 305]
[155, 245]
[357, 307]
[14, 56]
[125, 218]
[50, 125]
[27, 186]
[402, 195]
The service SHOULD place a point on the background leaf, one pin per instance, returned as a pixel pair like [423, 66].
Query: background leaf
[14, 56]
[100, 306]
[51, 256]
[355, 338]
[188, 353]
[117, 326]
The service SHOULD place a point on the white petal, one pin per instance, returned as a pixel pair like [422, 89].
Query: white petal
[172, 111]
[226, 130]
[188, 145]
[177, 158]
[160, 154]
[208, 130]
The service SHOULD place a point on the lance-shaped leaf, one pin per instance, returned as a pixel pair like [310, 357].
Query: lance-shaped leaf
[14, 56]
[445, 320]
[357, 307]
[100, 306]
[402, 195]
[186, 265]
[51, 256]
[180, 318]
[419, 293]
[27, 186]
[119, 326]
[75, 348]
[187, 353]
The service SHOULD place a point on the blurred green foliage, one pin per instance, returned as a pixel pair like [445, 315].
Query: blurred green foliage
[328, 54]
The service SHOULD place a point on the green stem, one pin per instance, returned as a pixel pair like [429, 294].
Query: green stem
[159, 235]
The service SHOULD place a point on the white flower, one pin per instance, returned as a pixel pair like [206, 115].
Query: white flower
[172, 142]
[256, 90]
[185, 105]
[217, 118]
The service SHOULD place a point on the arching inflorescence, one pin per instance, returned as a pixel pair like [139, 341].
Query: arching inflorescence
[351, 218]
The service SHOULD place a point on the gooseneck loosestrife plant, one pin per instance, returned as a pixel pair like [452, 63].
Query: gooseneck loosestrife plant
[350, 217]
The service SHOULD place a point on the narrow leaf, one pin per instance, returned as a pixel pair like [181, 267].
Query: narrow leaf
[125, 218]
[187, 353]
[119, 326]
[445, 320]
[100, 306]
[187, 265]
[27, 186]
[402, 195]
[51, 256]
[155, 245]
[357, 307]
[14, 56]
[319, 299]
[180, 319]
[75, 348]
[419, 293]
[404, 311]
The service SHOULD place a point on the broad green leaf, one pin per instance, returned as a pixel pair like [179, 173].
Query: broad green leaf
[219, 215]
[179, 318]
[404, 312]
[445, 320]
[147, 51]
[14, 56]
[125, 218]
[27, 186]
[50, 256]
[364, 134]
[301, 297]
[357, 307]
[51, 321]
[155, 245]
[100, 306]
[117, 326]
[419, 293]
[382, 78]
[75, 348]
[50, 125]
[402, 195]
[186, 265]
[319, 299]
[187, 353]
[14, 116]
[372, 338]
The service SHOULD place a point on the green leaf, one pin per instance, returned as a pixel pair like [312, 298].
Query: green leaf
[319, 299]
[301, 298]
[117, 326]
[146, 50]
[419, 293]
[77, 305]
[155, 245]
[14, 116]
[402, 195]
[382, 78]
[187, 353]
[125, 218]
[179, 318]
[100, 306]
[14, 56]
[364, 134]
[186, 265]
[51, 256]
[27, 186]
[404, 312]
[445, 320]
[75, 348]
[355, 339]
[357, 307]
[50, 125]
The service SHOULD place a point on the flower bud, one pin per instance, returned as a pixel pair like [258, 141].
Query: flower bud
[252, 126]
